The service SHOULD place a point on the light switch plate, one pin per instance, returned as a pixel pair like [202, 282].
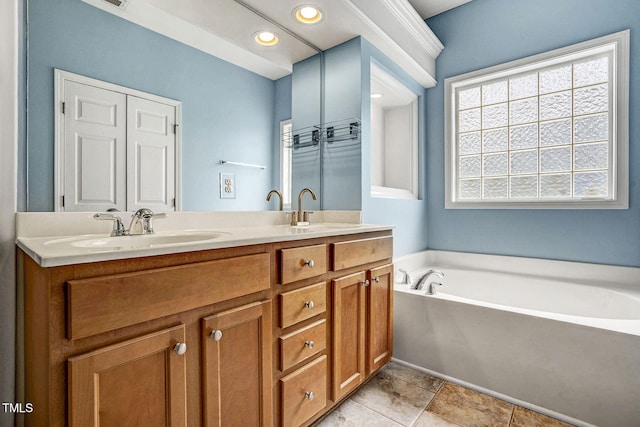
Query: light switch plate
[227, 185]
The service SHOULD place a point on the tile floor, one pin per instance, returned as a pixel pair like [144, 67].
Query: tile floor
[399, 396]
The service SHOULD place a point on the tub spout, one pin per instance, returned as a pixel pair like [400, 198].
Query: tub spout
[420, 283]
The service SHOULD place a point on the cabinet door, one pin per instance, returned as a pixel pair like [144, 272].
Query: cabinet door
[237, 367]
[379, 317]
[137, 382]
[348, 333]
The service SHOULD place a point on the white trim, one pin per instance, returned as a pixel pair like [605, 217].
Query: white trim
[394, 50]
[378, 192]
[9, 291]
[619, 127]
[60, 77]
[415, 25]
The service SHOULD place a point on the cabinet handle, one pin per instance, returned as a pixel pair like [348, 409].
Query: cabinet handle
[376, 279]
[365, 283]
[180, 348]
[309, 344]
[309, 304]
[216, 334]
[309, 263]
[309, 395]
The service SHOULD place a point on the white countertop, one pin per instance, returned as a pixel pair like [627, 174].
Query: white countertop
[49, 238]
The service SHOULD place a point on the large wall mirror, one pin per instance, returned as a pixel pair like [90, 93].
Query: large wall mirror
[228, 112]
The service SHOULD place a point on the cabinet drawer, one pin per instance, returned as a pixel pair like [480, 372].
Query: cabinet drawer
[106, 303]
[302, 344]
[359, 252]
[304, 392]
[302, 304]
[302, 263]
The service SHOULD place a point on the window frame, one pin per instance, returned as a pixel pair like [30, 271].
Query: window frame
[286, 160]
[618, 43]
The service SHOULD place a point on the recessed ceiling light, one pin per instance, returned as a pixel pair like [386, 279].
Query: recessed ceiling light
[376, 95]
[307, 14]
[266, 38]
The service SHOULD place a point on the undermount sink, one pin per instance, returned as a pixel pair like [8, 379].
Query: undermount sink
[140, 241]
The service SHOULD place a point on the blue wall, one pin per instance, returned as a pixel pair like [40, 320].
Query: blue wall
[227, 111]
[483, 33]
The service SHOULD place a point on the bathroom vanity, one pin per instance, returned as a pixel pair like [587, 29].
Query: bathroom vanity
[272, 329]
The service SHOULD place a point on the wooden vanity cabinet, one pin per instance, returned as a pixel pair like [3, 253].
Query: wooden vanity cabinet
[275, 334]
[126, 342]
[362, 312]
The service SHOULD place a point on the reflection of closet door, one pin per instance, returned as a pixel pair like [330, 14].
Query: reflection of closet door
[95, 148]
[151, 145]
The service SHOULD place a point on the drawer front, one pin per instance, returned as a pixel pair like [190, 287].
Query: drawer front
[106, 303]
[359, 252]
[304, 392]
[302, 263]
[302, 344]
[302, 304]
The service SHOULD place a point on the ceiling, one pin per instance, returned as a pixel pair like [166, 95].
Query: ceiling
[225, 28]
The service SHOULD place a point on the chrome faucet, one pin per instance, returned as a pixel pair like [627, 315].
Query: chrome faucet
[140, 222]
[302, 215]
[420, 283]
[271, 193]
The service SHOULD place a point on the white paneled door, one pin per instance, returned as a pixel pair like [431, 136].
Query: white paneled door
[151, 154]
[95, 152]
[117, 147]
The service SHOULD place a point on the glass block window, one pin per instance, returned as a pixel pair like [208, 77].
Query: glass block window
[547, 131]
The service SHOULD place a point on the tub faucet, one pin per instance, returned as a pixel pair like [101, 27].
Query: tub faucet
[420, 283]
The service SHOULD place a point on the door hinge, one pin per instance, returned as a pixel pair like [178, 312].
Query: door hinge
[64, 107]
[63, 201]
[173, 203]
[175, 128]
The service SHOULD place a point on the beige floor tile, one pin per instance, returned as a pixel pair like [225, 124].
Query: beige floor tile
[469, 408]
[429, 419]
[353, 414]
[523, 417]
[421, 379]
[394, 398]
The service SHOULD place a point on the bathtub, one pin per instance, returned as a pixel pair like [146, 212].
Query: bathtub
[561, 338]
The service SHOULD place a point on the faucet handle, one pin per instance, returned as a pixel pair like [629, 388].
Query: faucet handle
[407, 279]
[294, 217]
[118, 226]
[305, 215]
[147, 226]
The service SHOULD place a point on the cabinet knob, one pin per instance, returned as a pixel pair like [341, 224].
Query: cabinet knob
[309, 304]
[376, 279]
[216, 334]
[180, 348]
[309, 344]
[309, 395]
[365, 283]
[309, 263]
